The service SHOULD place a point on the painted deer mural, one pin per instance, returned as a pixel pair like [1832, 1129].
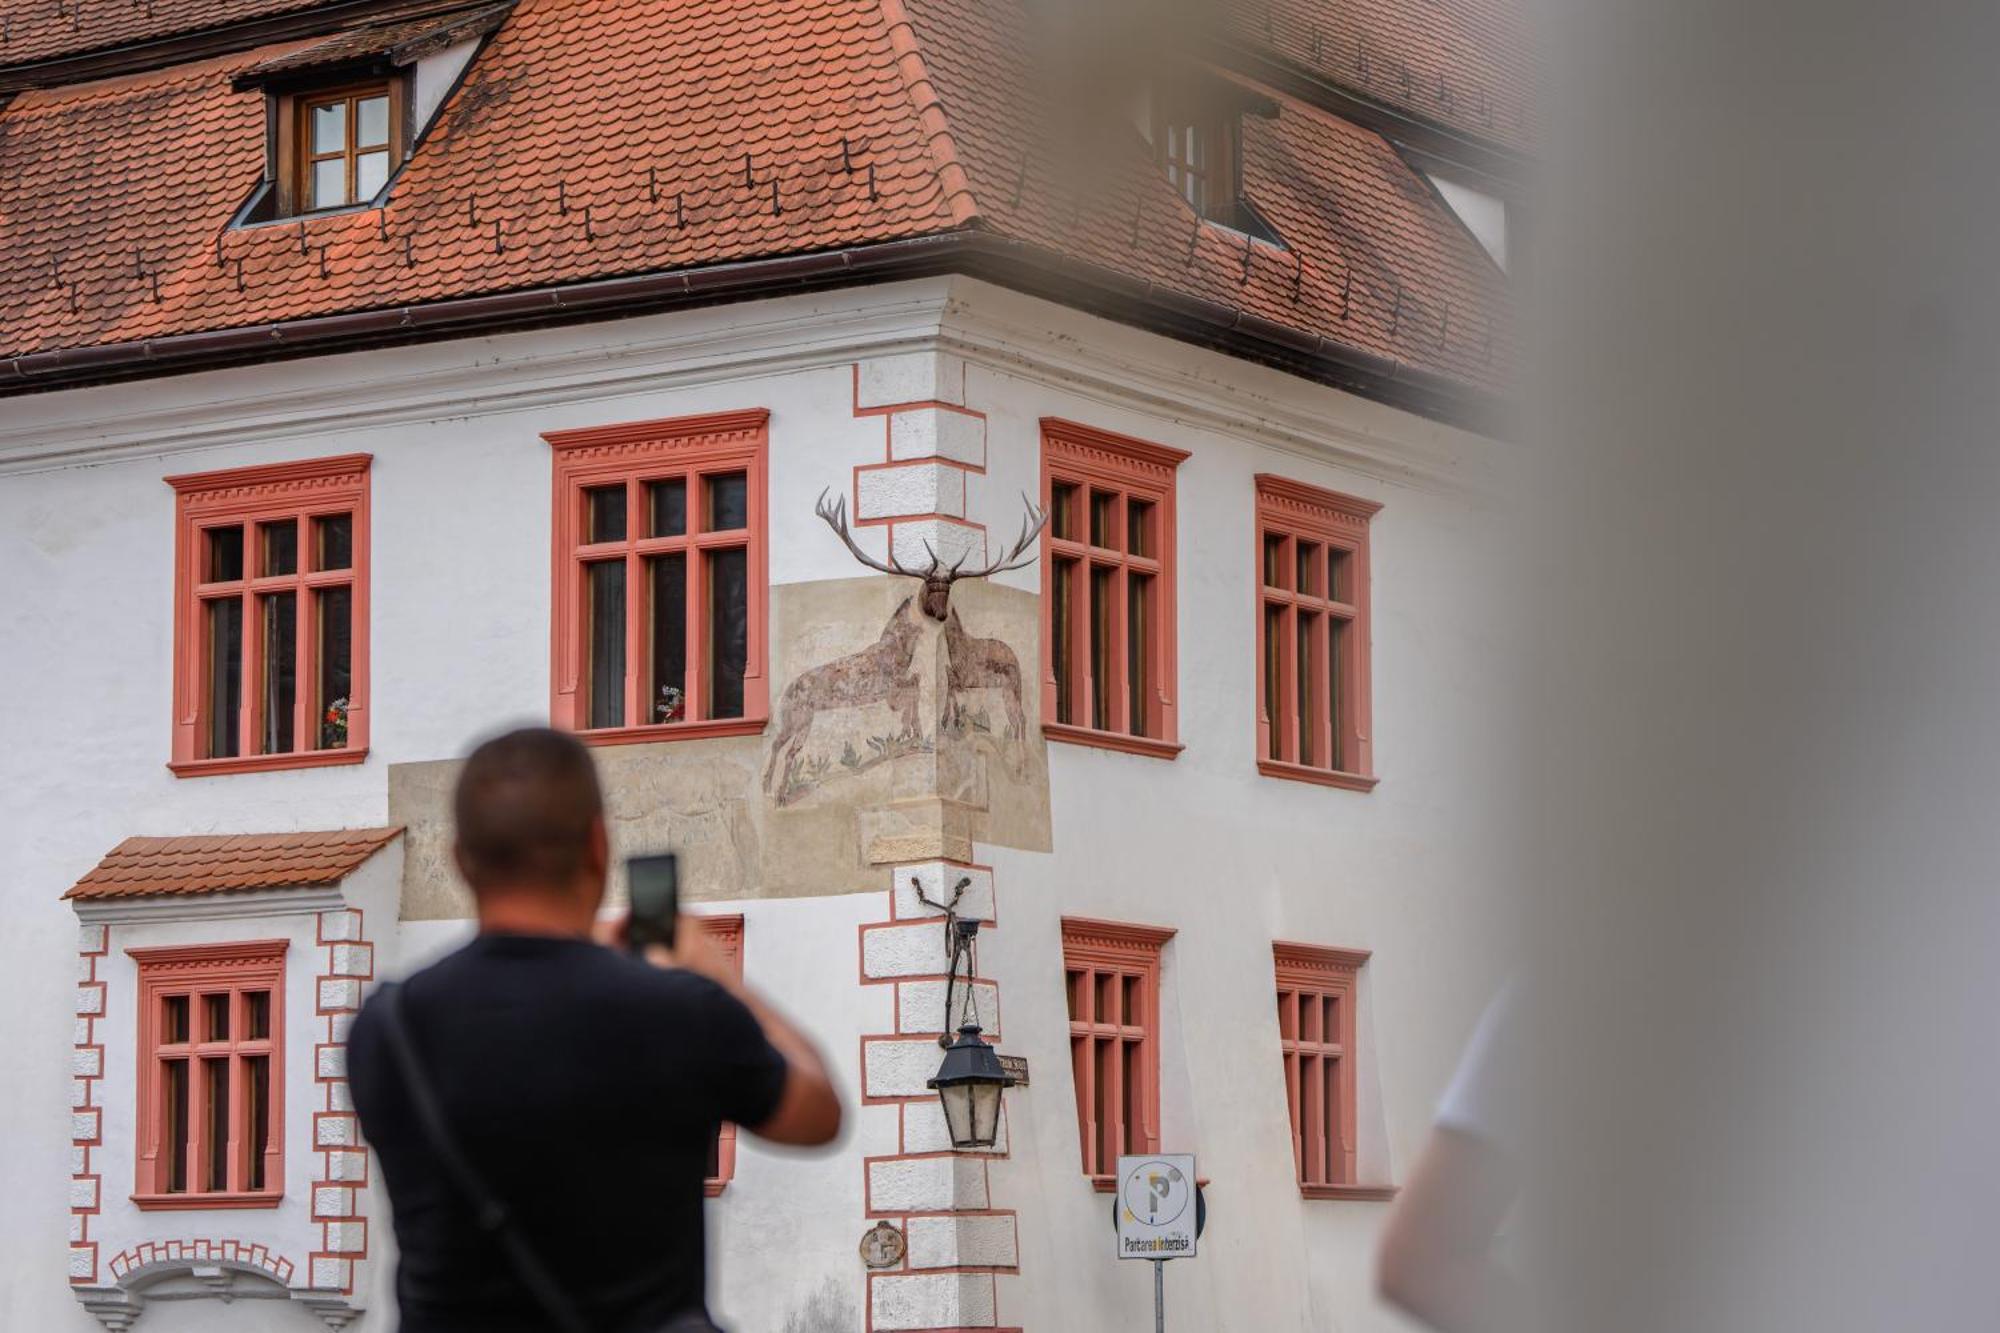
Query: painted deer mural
[878, 674]
[888, 672]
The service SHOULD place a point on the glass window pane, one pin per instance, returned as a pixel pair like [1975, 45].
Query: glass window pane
[225, 675]
[605, 513]
[1103, 519]
[329, 183]
[371, 173]
[329, 127]
[225, 555]
[1274, 561]
[1274, 699]
[1062, 510]
[371, 116]
[1308, 568]
[1340, 575]
[728, 631]
[334, 618]
[1063, 650]
[1337, 703]
[667, 502]
[1307, 678]
[173, 1125]
[728, 503]
[280, 547]
[667, 577]
[605, 641]
[1139, 527]
[174, 1020]
[256, 1015]
[1137, 631]
[215, 1124]
[279, 694]
[1100, 648]
[215, 1017]
[333, 541]
[257, 1099]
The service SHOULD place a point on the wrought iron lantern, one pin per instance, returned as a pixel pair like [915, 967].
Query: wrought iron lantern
[969, 1083]
[971, 1079]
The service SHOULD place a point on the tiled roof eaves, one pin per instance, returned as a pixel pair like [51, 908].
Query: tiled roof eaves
[1012, 263]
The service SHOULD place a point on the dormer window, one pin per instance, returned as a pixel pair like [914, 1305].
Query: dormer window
[346, 142]
[1197, 136]
[345, 112]
[1197, 154]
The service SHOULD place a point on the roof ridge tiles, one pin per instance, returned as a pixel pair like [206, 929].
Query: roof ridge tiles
[931, 117]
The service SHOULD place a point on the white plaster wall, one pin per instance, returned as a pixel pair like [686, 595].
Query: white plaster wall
[460, 647]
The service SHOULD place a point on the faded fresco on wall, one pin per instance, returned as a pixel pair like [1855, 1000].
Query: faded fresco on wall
[893, 737]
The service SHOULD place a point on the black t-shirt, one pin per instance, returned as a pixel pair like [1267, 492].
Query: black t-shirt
[584, 1085]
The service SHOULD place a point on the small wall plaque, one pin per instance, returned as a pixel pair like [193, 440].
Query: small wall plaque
[1017, 1065]
[882, 1246]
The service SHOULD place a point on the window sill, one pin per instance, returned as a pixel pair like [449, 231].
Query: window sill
[265, 763]
[675, 731]
[1325, 777]
[1103, 1184]
[180, 1203]
[1365, 1193]
[1112, 740]
[713, 1188]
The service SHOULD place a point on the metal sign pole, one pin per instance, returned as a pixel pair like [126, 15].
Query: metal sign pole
[1159, 1296]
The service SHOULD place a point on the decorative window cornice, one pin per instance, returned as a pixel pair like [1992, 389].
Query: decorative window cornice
[1301, 505]
[1115, 943]
[1316, 964]
[202, 491]
[236, 955]
[630, 438]
[1117, 456]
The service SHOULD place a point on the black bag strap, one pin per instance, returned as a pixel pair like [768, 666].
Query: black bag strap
[487, 1210]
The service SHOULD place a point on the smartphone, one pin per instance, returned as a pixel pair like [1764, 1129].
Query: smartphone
[655, 885]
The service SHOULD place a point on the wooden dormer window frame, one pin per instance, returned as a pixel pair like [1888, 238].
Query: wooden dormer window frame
[1200, 149]
[308, 144]
[1197, 134]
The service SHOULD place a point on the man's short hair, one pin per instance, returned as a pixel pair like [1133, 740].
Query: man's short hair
[524, 808]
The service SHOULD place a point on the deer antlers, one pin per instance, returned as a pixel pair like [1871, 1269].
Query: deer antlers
[939, 577]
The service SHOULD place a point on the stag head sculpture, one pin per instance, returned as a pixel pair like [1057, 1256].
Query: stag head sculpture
[939, 577]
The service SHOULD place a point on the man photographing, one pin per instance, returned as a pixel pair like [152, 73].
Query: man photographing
[542, 1105]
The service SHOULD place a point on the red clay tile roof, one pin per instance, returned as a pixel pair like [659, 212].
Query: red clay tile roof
[45, 29]
[599, 138]
[425, 34]
[212, 864]
[1464, 64]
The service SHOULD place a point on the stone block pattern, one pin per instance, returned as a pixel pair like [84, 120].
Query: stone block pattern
[348, 962]
[932, 448]
[86, 1111]
[178, 1252]
[956, 1241]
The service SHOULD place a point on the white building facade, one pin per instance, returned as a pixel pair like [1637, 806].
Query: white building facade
[1202, 844]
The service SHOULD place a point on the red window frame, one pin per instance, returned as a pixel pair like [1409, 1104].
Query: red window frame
[255, 498]
[1324, 732]
[193, 974]
[1316, 989]
[726, 932]
[633, 454]
[1111, 975]
[1133, 713]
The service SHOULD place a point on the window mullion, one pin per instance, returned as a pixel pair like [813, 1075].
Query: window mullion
[694, 634]
[1288, 685]
[305, 658]
[250, 659]
[235, 1172]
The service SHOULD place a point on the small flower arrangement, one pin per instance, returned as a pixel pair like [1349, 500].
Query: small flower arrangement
[333, 726]
[672, 701]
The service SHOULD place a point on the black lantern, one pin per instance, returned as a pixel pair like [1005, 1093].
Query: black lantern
[969, 1083]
